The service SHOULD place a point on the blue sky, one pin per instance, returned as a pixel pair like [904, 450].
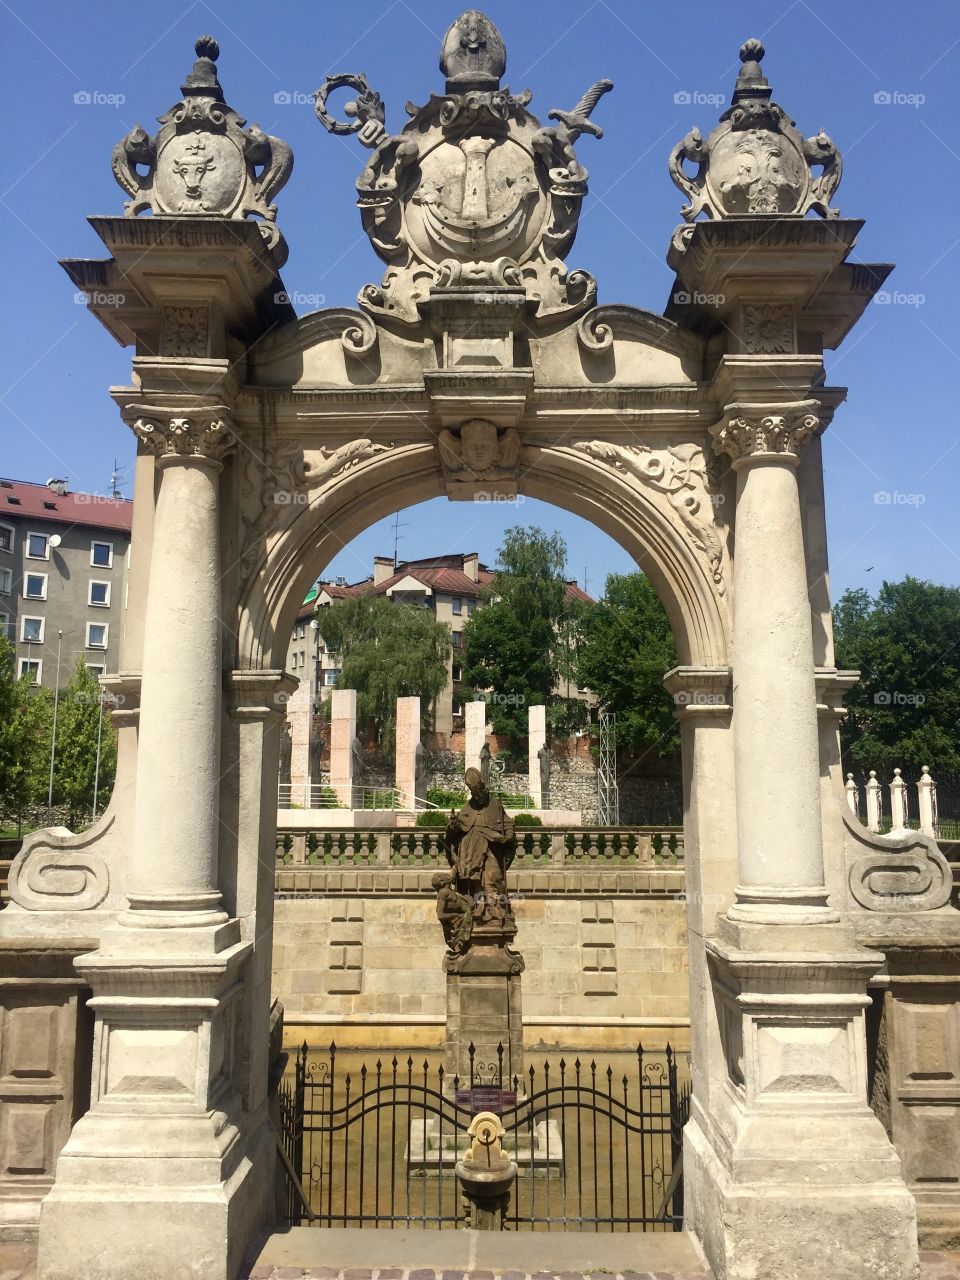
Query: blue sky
[831, 66]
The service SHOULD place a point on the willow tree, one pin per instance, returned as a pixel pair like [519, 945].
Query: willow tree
[387, 651]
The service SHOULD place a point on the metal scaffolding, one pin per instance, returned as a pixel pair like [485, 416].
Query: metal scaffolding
[608, 792]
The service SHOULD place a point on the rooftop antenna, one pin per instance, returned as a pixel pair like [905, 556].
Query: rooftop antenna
[397, 526]
[115, 475]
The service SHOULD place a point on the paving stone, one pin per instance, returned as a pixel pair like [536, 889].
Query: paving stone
[289, 1273]
[451, 1275]
[391, 1273]
[423, 1273]
[358, 1273]
[482, 1275]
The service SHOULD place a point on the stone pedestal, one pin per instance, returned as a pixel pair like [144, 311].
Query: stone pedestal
[406, 752]
[475, 733]
[343, 730]
[483, 1008]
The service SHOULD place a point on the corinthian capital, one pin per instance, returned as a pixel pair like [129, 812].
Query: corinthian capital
[749, 432]
[172, 434]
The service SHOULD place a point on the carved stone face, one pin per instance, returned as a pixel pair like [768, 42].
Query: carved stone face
[199, 173]
[480, 445]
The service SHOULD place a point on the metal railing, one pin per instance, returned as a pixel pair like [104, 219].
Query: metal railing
[320, 795]
[598, 1147]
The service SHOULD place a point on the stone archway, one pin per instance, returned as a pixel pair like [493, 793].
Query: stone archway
[480, 365]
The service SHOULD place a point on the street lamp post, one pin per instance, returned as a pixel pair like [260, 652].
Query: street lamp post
[53, 741]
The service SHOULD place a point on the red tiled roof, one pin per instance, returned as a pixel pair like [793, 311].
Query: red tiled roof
[575, 592]
[36, 502]
[454, 581]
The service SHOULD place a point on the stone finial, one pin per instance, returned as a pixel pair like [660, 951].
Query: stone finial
[756, 162]
[202, 160]
[473, 55]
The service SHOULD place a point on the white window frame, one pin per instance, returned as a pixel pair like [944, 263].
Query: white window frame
[96, 668]
[25, 663]
[30, 555]
[26, 579]
[98, 604]
[106, 635]
[28, 617]
[99, 542]
[6, 577]
[12, 529]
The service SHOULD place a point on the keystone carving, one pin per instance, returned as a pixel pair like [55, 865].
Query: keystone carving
[472, 179]
[761, 430]
[203, 160]
[681, 473]
[478, 451]
[756, 161]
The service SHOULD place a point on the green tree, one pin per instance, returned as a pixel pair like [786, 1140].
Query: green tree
[387, 651]
[625, 648]
[26, 725]
[906, 644]
[519, 645]
[78, 729]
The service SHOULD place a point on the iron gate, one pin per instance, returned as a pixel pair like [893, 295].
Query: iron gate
[598, 1149]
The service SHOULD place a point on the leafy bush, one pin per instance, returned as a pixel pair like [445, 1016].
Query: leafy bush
[432, 818]
[446, 798]
[527, 820]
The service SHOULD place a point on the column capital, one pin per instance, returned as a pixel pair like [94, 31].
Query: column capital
[763, 432]
[198, 433]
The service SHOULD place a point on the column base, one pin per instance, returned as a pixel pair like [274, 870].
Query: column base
[805, 1218]
[191, 1214]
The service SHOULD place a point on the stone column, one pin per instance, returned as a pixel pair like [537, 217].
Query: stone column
[299, 709]
[405, 757]
[343, 730]
[776, 746]
[475, 732]
[536, 741]
[173, 868]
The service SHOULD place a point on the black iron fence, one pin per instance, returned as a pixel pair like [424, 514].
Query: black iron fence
[598, 1147]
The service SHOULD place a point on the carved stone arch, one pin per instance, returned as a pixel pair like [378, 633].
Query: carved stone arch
[640, 521]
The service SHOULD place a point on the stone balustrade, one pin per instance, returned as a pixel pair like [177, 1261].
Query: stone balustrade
[899, 809]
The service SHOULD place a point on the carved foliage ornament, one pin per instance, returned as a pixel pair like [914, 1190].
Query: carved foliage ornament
[681, 473]
[200, 433]
[752, 431]
[472, 178]
[756, 162]
[203, 160]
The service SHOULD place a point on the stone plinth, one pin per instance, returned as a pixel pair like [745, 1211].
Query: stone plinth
[475, 733]
[343, 730]
[483, 1006]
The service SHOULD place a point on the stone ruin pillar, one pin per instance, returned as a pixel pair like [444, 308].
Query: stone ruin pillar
[536, 746]
[299, 716]
[474, 733]
[408, 752]
[343, 731]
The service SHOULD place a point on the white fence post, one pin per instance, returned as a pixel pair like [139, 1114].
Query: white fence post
[898, 803]
[853, 796]
[927, 796]
[874, 802]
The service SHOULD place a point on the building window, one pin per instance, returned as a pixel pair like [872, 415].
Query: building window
[457, 671]
[31, 667]
[471, 605]
[31, 630]
[7, 536]
[330, 677]
[35, 586]
[5, 626]
[96, 669]
[457, 708]
[457, 605]
[97, 635]
[456, 639]
[38, 546]
[6, 581]
[101, 555]
[99, 593]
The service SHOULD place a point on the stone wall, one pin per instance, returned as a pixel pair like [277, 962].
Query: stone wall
[600, 947]
[650, 791]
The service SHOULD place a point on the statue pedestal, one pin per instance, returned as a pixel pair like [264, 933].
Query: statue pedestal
[483, 1008]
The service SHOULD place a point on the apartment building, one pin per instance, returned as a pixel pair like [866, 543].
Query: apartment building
[63, 566]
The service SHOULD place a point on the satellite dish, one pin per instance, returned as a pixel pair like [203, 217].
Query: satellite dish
[55, 540]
